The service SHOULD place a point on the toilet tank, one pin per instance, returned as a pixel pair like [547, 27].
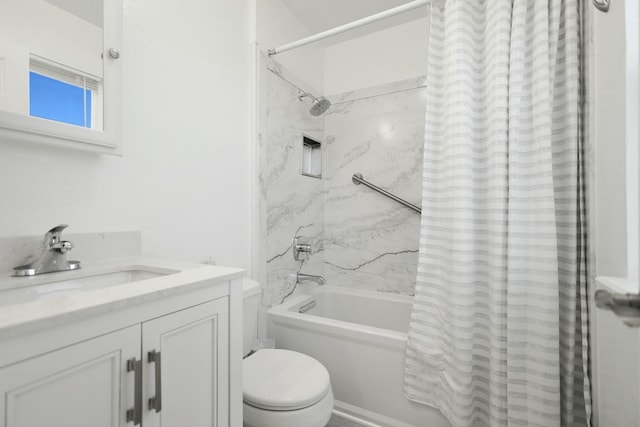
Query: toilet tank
[251, 294]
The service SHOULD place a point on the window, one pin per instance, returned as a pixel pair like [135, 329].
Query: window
[63, 95]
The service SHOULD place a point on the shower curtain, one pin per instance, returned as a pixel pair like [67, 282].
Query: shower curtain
[498, 333]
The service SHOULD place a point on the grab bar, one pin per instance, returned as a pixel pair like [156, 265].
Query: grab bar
[358, 179]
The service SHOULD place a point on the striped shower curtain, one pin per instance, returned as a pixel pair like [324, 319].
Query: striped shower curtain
[498, 333]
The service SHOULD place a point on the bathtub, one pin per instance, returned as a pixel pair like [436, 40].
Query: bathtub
[360, 336]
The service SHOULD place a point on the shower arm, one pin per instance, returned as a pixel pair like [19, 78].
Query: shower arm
[358, 179]
[307, 95]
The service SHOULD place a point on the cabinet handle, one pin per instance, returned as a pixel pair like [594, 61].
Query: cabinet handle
[135, 414]
[156, 402]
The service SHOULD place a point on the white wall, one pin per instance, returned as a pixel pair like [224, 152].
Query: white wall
[387, 56]
[184, 177]
[275, 26]
[609, 140]
[53, 33]
[37, 27]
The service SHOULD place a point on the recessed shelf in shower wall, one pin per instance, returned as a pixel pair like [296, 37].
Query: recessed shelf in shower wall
[311, 157]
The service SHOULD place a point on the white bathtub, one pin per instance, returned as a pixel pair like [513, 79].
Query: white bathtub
[360, 337]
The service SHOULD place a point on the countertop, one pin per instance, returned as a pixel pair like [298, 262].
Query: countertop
[72, 306]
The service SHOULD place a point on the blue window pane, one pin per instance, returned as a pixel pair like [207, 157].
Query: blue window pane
[56, 100]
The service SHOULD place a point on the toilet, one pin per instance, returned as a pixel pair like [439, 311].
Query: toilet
[281, 388]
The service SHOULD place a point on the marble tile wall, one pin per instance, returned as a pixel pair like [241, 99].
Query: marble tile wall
[293, 202]
[360, 239]
[370, 241]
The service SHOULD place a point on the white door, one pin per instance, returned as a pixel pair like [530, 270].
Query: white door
[615, 190]
[58, 389]
[186, 378]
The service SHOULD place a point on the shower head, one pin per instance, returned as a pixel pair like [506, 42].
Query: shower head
[318, 105]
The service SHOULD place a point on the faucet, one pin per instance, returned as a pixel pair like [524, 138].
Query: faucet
[53, 257]
[301, 278]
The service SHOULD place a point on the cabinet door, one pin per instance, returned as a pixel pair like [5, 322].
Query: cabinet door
[75, 386]
[189, 385]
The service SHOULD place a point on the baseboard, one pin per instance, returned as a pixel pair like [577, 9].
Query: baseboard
[365, 417]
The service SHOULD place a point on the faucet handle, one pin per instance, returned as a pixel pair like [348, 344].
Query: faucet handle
[53, 236]
[301, 248]
[58, 228]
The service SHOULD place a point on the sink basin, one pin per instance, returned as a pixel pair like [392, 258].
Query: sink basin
[57, 285]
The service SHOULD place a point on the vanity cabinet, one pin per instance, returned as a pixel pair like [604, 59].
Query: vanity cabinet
[191, 372]
[169, 368]
[72, 385]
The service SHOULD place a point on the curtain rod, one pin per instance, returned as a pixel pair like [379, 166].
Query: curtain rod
[351, 25]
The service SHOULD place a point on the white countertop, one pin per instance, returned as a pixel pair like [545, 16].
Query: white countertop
[72, 306]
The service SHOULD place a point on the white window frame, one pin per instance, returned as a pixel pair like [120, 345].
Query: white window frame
[76, 78]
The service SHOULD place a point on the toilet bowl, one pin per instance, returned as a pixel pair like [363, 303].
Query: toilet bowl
[281, 388]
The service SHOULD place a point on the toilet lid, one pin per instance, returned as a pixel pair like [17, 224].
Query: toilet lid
[280, 380]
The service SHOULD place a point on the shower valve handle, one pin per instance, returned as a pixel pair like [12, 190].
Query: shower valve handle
[301, 248]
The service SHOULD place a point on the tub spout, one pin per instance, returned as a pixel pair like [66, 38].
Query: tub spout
[301, 278]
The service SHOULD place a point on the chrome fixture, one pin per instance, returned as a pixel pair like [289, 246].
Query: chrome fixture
[602, 5]
[301, 248]
[308, 306]
[154, 356]
[358, 179]
[114, 53]
[301, 278]
[626, 306]
[53, 257]
[318, 105]
[135, 415]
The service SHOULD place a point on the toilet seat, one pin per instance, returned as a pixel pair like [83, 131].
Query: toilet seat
[283, 380]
